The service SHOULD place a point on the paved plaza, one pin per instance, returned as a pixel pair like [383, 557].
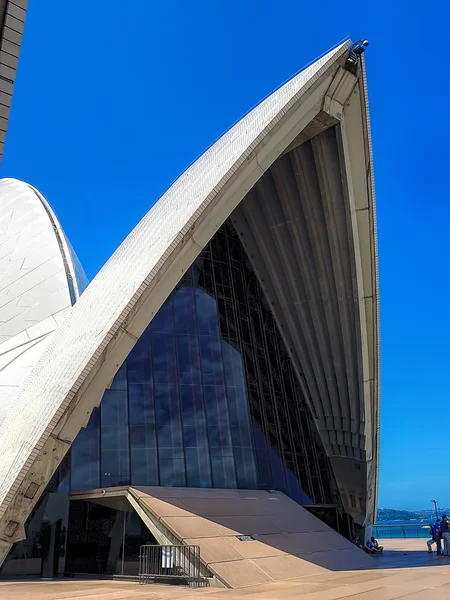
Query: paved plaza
[404, 571]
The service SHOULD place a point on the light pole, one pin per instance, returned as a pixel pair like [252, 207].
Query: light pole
[435, 508]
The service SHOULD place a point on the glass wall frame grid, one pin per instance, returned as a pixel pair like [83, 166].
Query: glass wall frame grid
[260, 375]
[214, 279]
[218, 306]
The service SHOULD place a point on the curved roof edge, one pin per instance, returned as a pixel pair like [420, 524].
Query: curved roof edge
[76, 277]
[38, 283]
[376, 289]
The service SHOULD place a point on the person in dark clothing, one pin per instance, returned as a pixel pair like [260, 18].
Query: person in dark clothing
[445, 530]
[435, 532]
[361, 546]
[376, 545]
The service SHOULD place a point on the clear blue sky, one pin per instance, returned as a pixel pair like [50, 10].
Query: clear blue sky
[114, 99]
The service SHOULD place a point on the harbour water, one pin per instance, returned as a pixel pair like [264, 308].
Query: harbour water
[402, 529]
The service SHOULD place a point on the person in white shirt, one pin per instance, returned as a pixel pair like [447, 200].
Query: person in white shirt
[376, 545]
[370, 547]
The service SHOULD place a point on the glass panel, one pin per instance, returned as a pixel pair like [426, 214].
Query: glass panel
[162, 322]
[211, 355]
[144, 466]
[142, 408]
[170, 438]
[198, 466]
[85, 466]
[188, 360]
[144, 460]
[115, 459]
[184, 307]
[139, 365]
[136, 535]
[172, 472]
[120, 380]
[164, 359]
[95, 538]
[207, 315]
[239, 415]
[245, 468]
[223, 469]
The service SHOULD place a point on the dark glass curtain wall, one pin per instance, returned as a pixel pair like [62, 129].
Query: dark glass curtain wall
[42, 552]
[208, 396]
[105, 538]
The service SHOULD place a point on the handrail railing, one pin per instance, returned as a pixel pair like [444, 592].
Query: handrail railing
[401, 530]
[169, 562]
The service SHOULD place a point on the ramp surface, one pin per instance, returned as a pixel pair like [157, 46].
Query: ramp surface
[288, 541]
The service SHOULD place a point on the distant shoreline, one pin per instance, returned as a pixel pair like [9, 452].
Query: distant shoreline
[403, 521]
[406, 528]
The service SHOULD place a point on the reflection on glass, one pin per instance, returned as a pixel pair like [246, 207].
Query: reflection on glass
[85, 471]
[208, 396]
[105, 539]
[42, 552]
[115, 456]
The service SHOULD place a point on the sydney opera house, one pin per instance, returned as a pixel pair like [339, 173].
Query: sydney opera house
[218, 378]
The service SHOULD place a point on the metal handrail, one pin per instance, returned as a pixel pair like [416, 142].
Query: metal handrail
[169, 562]
[419, 525]
[404, 530]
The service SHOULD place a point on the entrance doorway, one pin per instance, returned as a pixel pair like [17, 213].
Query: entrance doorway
[104, 538]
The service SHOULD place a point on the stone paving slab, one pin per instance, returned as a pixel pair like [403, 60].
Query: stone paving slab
[404, 571]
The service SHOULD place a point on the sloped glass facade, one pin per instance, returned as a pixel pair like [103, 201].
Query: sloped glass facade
[208, 396]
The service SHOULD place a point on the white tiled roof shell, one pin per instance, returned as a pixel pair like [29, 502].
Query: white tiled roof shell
[34, 290]
[104, 305]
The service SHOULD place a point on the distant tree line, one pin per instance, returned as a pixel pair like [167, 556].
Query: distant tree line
[391, 514]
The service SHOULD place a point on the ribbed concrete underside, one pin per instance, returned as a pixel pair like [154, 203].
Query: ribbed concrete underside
[295, 225]
[289, 541]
